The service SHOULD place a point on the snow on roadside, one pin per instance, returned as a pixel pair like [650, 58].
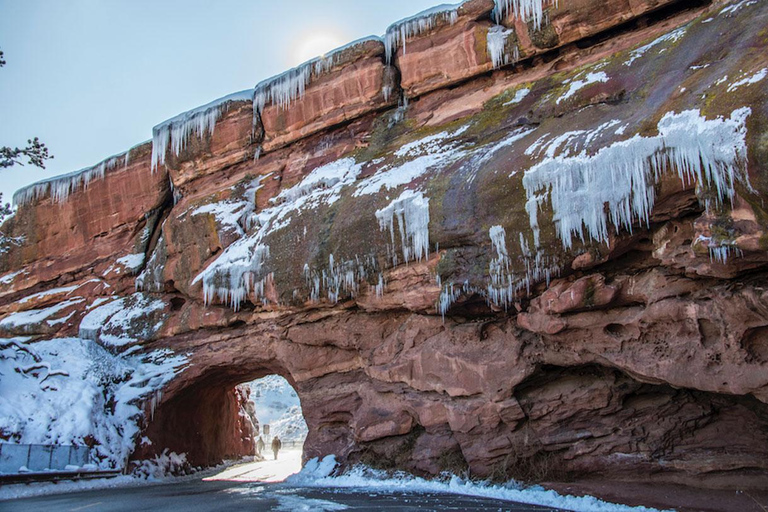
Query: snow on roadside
[318, 473]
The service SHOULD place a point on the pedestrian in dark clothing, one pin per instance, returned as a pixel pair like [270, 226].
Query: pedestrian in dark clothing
[276, 445]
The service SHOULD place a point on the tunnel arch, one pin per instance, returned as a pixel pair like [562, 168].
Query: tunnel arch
[201, 417]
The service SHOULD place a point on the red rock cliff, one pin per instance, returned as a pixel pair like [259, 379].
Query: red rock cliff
[551, 262]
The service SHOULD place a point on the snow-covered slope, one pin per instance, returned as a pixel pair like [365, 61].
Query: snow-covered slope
[73, 391]
[278, 406]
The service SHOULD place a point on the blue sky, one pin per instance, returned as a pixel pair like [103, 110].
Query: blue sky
[92, 77]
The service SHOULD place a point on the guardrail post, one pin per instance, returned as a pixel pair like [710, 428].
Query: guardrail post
[29, 454]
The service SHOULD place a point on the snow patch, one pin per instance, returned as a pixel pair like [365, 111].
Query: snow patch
[577, 85]
[27, 320]
[519, 96]
[671, 37]
[753, 79]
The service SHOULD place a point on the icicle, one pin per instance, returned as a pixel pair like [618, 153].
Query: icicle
[524, 10]
[412, 212]
[624, 174]
[398, 33]
[199, 122]
[497, 47]
[59, 188]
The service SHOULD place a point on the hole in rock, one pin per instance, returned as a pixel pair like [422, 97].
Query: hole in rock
[235, 417]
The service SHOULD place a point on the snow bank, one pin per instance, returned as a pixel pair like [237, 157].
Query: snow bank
[322, 474]
[68, 390]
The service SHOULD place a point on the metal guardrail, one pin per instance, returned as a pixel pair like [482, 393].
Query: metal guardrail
[41, 457]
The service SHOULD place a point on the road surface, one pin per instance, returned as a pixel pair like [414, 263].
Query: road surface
[254, 487]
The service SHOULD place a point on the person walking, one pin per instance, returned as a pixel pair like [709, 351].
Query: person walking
[276, 445]
[260, 446]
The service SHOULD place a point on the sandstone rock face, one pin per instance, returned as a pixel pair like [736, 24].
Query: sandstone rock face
[554, 270]
[357, 82]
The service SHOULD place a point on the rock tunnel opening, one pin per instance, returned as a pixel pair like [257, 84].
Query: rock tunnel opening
[221, 415]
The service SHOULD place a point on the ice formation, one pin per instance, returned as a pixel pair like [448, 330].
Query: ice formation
[504, 284]
[199, 122]
[431, 152]
[411, 210]
[398, 33]
[59, 188]
[497, 46]
[239, 271]
[623, 175]
[289, 86]
[525, 10]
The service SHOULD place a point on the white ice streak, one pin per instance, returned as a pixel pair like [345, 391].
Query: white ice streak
[398, 33]
[525, 10]
[59, 188]
[431, 152]
[519, 96]
[577, 85]
[178, 131]
[728, 11]
[239, 269]
[753, 79]
[623, 175]
[497, 46]
[411, 210]
[671, 37]
[132, 262]
[504, 284]
[318, 473]
[231, 215]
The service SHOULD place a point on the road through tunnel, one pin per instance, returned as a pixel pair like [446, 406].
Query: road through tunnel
[222, 414]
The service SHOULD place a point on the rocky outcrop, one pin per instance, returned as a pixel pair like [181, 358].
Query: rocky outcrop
[550, 270]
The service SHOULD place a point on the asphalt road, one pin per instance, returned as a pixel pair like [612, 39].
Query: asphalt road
[211, 496]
